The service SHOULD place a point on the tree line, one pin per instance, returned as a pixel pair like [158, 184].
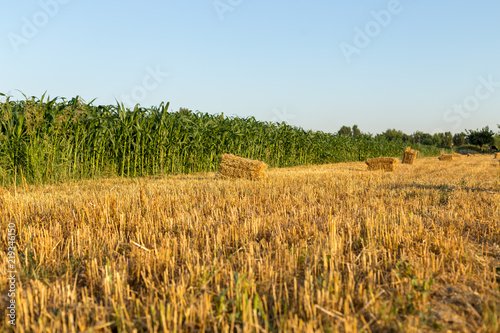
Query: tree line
[480, 137]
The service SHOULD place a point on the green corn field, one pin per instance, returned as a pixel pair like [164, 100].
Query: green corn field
[50, 140]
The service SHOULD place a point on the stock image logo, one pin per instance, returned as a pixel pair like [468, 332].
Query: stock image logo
[222, 7]
[484, 90]
[32, 26]
[363, 36]
[282, 115]
[153, 78]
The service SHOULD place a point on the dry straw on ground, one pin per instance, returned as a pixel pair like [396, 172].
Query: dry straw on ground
[497, 156]
[382, 163]
[409, 156]
[237, 167]
[312, 249]
[446, 157]
[457, 155]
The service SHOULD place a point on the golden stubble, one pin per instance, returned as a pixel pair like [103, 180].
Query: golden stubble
[321, 248]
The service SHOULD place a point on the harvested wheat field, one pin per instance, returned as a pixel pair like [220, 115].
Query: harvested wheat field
[331, 248]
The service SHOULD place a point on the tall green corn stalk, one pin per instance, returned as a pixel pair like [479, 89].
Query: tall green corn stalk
[56, 139]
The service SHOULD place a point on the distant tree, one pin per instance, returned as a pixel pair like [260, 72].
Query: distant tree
[356, 131]
[428, 141]
[480, 137]
[417, 137]
[345, 130]
[447, 139]
[442, 139]
[459, 139]
[185, 111]
[496, 140]
[393, 135]
[426, 137]
[437, 139]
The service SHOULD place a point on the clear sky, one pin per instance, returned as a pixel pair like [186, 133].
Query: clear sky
[411, 65]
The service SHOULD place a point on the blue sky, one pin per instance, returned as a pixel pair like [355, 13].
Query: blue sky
[408, 64]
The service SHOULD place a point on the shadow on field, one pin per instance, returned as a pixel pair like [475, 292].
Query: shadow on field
[442, 187]
[180, 177]
[194, 177]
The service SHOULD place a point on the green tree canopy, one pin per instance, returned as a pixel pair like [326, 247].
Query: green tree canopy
[459, 139]
[394, 135]
[480, 137]
[447, 139]
[345, 130]
[356, 131]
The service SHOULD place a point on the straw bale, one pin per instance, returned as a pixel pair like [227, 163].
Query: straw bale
[243, 163]
[409, 156]
[382, 163]
[446, 157]
[238, 167]
[457, 155]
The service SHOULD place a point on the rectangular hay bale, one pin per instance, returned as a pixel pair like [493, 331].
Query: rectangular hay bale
[446, 157]
[409, 156]
[233, 167]
[382, 163]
